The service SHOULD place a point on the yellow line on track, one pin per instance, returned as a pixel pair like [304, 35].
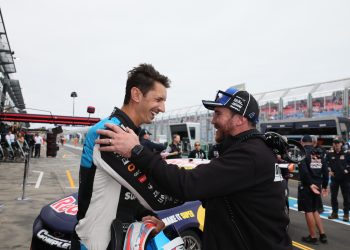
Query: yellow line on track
[70, 179]
[301, 246]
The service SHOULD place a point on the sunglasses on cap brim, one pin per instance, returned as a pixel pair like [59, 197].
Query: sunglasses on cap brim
[222, 94]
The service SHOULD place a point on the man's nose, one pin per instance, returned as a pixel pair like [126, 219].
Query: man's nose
[213, 119]
[162, 107]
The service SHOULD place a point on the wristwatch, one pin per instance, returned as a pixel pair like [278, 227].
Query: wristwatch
[136, 151]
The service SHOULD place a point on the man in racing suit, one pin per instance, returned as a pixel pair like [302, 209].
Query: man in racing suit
[242, 188]
[313, 181]
[339, 166]
[102, 198]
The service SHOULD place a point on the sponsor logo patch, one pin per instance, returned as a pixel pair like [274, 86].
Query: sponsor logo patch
[131, 167]
[67, 205]
[278, 174]
[52, 241]
[178, 217]
[129, 196]
[142, 178]
[315, 163]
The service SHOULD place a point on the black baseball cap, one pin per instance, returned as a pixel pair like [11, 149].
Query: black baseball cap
[239, 101]
[337, 140]
[144, 132]
[306, 138]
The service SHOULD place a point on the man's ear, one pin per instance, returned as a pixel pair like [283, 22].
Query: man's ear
[136, 94]
[239, 120]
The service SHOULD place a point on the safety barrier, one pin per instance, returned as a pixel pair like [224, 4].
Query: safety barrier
[25, 173]
[26, 154]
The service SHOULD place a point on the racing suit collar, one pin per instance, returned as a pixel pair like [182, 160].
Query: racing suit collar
[125, 120]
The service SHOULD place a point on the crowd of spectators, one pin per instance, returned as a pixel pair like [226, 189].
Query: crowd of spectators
[14, 141]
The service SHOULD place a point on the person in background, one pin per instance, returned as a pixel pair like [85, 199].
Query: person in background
[20, 139]
[339, 166]
[313, 178]
[314, 141]
[37, 146]
[317, 143]
[62, 139]
[31, 143]
[10, 138]
[197, 153]
[214, 152]
[174, 149]
[145, 141]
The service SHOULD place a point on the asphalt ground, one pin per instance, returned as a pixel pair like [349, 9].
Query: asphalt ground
[52, 178]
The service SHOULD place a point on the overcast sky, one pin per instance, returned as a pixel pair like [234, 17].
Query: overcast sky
[88, 46]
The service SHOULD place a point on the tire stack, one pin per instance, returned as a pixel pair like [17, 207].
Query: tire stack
[51, 145]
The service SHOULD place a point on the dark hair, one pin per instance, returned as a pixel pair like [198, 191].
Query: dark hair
[143, 77]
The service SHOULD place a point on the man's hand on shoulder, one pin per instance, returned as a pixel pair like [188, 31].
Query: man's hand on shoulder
[118, 140]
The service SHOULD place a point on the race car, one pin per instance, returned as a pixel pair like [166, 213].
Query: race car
[53, 227]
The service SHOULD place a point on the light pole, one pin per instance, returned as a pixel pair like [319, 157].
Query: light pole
[73, 95]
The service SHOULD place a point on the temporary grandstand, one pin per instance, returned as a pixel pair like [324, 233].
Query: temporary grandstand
[312, 100]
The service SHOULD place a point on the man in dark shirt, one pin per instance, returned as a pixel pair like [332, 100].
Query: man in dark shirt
[197, 153]
[339, 165]
[235, 186]
[214, 152]
[145, 141]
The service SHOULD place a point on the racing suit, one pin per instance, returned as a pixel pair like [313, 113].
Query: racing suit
[242, 190]
[102, 198]
[339, 164]
[313, 170]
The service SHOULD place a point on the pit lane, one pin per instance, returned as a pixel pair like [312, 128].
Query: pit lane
[17, 216]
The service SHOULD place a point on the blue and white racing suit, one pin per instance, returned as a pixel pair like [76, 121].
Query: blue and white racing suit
[102, 197]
